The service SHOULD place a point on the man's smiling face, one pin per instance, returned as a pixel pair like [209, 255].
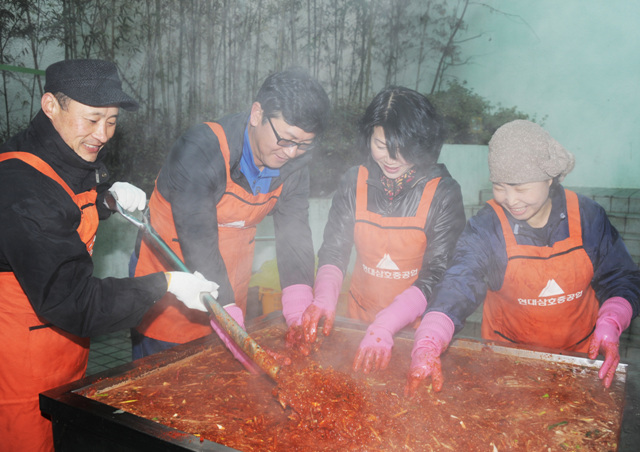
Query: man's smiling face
[84, 128]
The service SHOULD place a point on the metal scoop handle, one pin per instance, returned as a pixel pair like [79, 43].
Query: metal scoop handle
[248, 345]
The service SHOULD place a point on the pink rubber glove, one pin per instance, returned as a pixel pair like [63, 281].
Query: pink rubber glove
[375, 348]
[295, 300]
[431, 339]
[326, 290]
[234, 311]
[614, 317]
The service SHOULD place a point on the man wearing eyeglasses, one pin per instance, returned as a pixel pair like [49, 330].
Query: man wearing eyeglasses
[219, 181]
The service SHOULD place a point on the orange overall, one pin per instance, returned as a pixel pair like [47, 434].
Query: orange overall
[238, 214]
[546, 299]
[36, 356]
[390, 251]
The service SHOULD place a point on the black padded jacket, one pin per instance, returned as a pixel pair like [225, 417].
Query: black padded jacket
[445, 221]
[40, 245]
[193, 180]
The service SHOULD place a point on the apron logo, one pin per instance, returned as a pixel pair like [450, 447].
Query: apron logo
[550, 301]
[387, 269]
[552, 288]
[386, 263]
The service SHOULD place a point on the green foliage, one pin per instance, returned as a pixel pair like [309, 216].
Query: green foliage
[470, 118]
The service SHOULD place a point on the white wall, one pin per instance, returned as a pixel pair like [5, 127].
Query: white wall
[469, 166]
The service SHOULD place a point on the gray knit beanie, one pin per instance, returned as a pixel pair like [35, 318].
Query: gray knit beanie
[521, 151]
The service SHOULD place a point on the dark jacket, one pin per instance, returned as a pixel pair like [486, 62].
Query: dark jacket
[193, 180]
[480, 258]
[39, 243]
[444, 223]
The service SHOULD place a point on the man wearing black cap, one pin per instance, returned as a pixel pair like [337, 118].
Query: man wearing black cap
[52, 190]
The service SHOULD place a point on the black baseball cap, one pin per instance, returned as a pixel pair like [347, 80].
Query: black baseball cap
[90, 82]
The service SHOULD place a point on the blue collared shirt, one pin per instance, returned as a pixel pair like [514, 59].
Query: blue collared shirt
[258, 180]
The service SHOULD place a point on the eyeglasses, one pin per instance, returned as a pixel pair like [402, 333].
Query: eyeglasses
[289, 143]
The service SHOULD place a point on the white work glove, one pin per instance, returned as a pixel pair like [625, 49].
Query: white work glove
[130, 197]
[187, 288]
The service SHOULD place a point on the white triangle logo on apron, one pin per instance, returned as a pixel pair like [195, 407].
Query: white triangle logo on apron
[386, 263]
[551, 289]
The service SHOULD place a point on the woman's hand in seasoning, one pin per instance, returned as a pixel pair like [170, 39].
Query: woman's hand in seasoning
[374, 352]
[431, 339]
[375, 348]
[614, 317]
[425, 362]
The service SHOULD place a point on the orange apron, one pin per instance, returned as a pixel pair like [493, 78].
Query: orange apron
[35, 355]
[389, 252]
[238, 214]
[546, 298]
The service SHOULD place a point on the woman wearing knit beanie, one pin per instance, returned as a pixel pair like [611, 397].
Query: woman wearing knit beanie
[550, 268]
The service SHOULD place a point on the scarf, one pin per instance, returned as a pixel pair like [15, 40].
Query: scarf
[392, 187]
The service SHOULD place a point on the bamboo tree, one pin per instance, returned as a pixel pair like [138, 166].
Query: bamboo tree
[340, 10]
[214, 60]
[193, 61]
[361, 44]
[257, 46]
[293, 25]
[12, 28]
[280, 40]
[318, 37]
[225, 56]
[310, 30]
[241, 54]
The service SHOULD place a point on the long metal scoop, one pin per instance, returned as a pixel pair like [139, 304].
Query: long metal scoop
[247, 344]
